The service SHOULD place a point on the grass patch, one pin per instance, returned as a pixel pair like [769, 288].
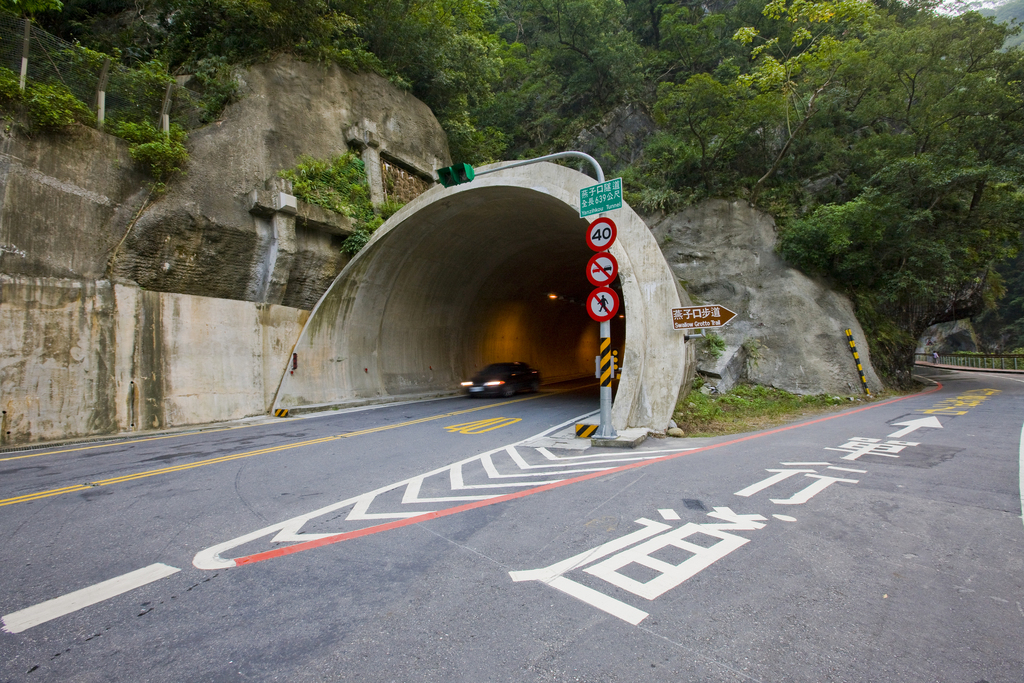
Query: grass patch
[748, 408]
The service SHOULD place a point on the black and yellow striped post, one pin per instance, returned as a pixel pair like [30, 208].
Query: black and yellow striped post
[584, 431]
[606, 362]
[607, 430]
[281, 412]
[860, 368]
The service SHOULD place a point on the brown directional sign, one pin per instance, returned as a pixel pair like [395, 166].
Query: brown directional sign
[710, 315]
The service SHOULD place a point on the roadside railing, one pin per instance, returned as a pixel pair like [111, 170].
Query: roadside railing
[991, 361]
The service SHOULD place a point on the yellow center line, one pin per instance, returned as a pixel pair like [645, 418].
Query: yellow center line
[248, 454]
[452, 414]
[108, 444]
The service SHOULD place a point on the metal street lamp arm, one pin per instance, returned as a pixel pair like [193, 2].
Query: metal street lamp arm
[559, 155]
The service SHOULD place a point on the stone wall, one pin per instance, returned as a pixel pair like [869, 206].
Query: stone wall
[789, 328]
[122, 310]
[401, 185]
[65, 202]
[80, 358]
[76, 206]
[209, 236]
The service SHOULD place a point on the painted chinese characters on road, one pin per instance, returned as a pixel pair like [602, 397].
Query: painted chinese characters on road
[608, 561]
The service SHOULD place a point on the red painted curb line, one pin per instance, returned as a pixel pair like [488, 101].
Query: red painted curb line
[309, 545]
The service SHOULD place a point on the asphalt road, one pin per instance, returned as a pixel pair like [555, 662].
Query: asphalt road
[464, 540]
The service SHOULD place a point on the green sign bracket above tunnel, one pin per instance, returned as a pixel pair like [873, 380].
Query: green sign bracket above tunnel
[600, 198]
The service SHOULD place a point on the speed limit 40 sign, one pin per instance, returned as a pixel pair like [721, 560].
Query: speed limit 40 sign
[601, 234]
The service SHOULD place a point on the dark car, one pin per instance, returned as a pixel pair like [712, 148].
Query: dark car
[503, 379]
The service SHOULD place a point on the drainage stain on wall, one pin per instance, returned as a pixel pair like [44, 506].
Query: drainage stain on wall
[86, 358]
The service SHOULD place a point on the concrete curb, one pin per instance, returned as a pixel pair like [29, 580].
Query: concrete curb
[627, 438]
[360, 402]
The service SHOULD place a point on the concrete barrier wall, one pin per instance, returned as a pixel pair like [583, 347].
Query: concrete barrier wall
[80, 358]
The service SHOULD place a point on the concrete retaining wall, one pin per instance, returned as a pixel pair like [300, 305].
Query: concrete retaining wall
[80, 358]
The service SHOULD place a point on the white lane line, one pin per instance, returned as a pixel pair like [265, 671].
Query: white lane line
[847, 469]
[16, 622]
[669, 514]
[1020, 470]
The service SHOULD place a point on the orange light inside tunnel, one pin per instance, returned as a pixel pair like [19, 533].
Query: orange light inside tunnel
[552, 296]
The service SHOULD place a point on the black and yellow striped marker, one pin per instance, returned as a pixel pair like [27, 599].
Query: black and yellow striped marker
[606, 362]
[860, 368]
[281, 412]
[584, 431]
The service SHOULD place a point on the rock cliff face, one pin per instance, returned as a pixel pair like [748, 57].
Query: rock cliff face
[948, 337]
[210, 235]
[789, 329]
[121, 312]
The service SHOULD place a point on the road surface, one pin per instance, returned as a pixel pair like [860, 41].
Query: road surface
[470, 540]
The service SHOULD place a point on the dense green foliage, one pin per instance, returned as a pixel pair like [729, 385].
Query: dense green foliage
[1001, 328]
[884, 137]
[47, 106]
[714, 344]
[163, 156]
[745, 408]
[340, 185]
[30, 7]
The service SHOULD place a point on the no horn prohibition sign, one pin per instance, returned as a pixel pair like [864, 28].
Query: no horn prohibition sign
[603, 304]
[601, 234]
[602, 269]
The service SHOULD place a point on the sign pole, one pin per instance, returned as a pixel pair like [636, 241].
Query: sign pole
[606, 430]
[602, 304]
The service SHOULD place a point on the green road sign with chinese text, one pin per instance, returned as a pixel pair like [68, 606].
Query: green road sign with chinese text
[606, 196]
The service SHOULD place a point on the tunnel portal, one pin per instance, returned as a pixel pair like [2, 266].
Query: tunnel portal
[492, 271]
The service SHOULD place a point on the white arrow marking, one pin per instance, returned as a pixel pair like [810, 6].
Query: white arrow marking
[911, 425]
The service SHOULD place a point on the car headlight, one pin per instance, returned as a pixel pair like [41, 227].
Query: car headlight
[467, 384]
[494, 383]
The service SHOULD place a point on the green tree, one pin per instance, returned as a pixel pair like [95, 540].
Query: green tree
[572, 61]
[801, 63]
[30, 7]
[931, 198]
[709, 119]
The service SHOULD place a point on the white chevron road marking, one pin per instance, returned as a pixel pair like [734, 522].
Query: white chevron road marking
[483, 476]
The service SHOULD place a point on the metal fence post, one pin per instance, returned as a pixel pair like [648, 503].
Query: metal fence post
[165, 111]
[101, 93]
[24, 53]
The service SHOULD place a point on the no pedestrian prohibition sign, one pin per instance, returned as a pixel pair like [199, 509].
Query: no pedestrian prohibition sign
[603, 304]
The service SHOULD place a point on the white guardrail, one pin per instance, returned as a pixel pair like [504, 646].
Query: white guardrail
[993, 361]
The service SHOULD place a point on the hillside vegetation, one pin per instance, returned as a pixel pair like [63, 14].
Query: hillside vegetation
[885, 138]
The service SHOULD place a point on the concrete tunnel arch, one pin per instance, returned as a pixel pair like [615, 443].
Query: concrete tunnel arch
[461, 277]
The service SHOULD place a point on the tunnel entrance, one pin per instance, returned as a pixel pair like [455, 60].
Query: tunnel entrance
[492, 271]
